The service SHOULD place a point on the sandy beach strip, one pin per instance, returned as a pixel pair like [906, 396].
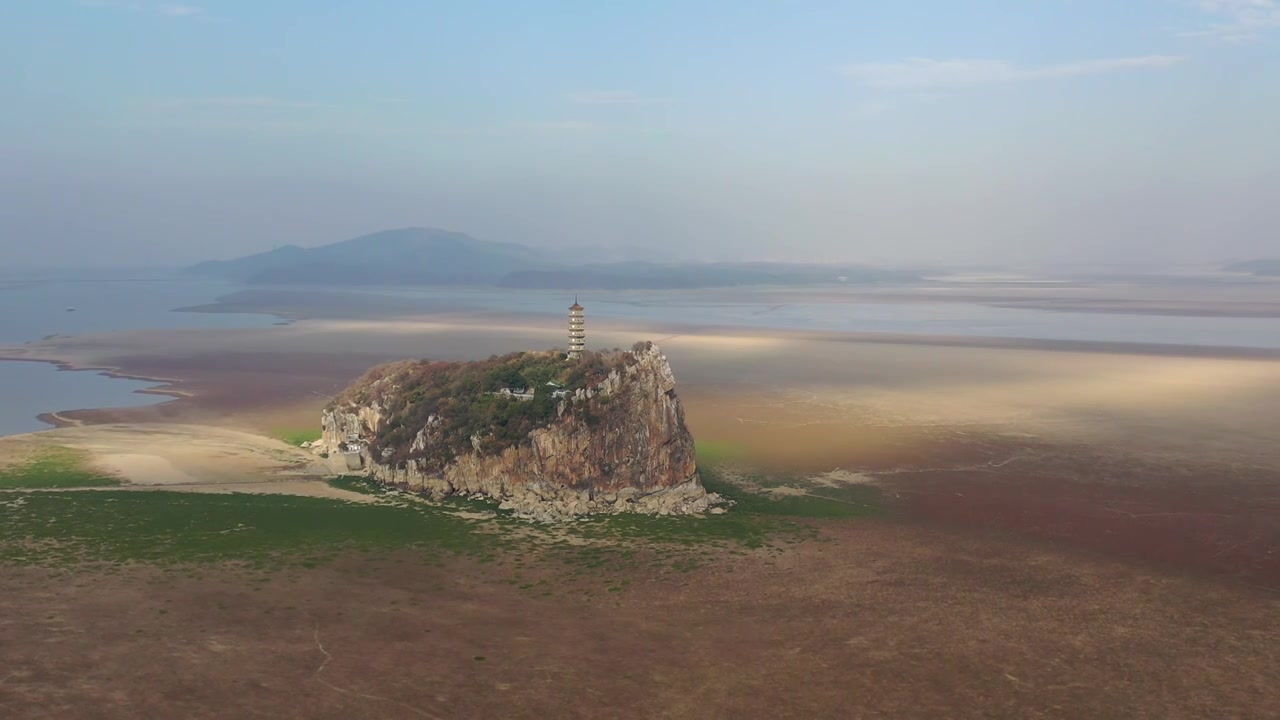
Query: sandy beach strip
[186, 458]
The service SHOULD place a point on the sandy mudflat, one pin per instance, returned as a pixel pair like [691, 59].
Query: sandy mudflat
[1207, 295]
[1072, 530]
[1073, 441]
[819, 402]
[252, 372]
[190, 458]
[1144, 453]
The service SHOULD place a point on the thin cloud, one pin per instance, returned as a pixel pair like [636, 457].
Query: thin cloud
[176, 10]
[117, 4]
[564, 126]
[928, 74]
[168, 9]
[1239, 20]
[874, 108]
[616, 98]
[249, 102]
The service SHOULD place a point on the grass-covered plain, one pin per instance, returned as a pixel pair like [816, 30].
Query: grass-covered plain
[715, 452]
[54, 467]
[114, 526]
[298, 436]
[117, 526]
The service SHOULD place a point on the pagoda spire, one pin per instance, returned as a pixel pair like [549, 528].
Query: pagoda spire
[577, 331]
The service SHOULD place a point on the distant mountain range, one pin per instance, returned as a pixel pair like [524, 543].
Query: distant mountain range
[1269, 267]
[408, 256]
[429, 256]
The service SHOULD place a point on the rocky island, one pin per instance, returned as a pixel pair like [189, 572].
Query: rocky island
[549, 438]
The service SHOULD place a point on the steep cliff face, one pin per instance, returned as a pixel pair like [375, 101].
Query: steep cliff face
[615, 443]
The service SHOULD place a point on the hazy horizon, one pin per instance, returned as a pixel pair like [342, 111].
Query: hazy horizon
[143, 132]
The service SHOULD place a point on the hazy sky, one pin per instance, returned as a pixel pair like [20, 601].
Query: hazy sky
[134, 131]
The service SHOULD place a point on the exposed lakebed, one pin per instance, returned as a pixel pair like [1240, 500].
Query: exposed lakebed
[38, 309]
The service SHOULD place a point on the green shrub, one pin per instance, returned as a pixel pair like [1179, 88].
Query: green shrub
[461, 397]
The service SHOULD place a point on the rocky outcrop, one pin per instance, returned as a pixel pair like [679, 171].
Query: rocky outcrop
[619, 444]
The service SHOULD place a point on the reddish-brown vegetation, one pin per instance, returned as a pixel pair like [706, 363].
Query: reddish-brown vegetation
[878, 620]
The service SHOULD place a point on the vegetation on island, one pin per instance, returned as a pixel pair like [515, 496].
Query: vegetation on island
[459, 401]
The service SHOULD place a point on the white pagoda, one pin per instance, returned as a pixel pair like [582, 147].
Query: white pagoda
[577, 335]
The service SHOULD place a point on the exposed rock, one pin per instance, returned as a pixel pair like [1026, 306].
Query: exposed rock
[618, 445]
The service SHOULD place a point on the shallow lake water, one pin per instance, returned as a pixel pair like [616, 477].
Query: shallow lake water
[775, 310]
[35, 310]
[38, 309]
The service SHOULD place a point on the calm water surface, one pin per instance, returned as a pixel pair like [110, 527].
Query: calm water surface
[36, 310]
[40, 309]
[773, 310]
